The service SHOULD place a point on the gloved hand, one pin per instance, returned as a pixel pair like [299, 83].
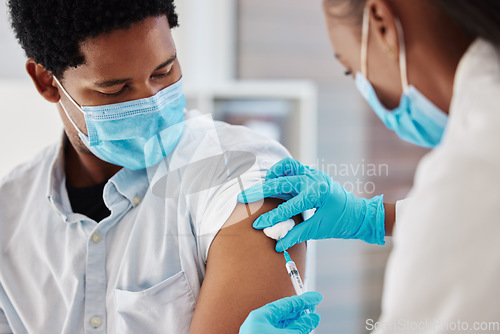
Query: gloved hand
[284, 316]
[339, 214]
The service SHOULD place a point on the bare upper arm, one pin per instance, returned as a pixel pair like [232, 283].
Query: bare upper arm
[244, 272]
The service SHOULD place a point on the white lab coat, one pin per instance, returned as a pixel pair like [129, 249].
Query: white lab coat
[443, 275]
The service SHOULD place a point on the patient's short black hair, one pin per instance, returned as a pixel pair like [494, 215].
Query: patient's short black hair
[50, 31]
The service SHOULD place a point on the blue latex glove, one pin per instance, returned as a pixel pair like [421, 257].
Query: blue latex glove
[339, 214]
[284, 316]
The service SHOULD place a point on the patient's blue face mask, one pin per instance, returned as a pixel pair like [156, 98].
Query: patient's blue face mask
[416, 120]
[136, 134]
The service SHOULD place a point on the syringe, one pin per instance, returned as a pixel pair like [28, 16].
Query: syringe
[293, 272]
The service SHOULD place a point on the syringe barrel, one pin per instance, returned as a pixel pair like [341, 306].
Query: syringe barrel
[293, 272]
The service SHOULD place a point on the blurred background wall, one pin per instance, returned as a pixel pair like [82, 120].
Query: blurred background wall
[226, 40]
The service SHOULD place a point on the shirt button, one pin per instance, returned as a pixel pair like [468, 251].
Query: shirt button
[96, 237]
[96, 322]
[137, 200]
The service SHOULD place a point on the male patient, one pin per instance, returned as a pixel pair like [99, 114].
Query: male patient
[92, 237]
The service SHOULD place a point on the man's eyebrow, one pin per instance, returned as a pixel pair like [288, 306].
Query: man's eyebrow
[111, 83]
[168, 62]
[115, 82]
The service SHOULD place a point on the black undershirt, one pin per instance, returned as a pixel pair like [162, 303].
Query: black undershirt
[88, 201]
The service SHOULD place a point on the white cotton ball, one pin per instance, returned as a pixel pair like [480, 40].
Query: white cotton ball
[279, 230]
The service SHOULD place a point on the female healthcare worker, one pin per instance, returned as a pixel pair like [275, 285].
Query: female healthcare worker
[423, 66]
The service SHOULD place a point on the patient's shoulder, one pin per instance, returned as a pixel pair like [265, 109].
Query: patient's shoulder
[219, 161]
[202, 128]
[238, 137]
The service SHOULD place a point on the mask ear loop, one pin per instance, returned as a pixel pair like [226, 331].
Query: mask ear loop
[402, 56]
[364, 42]
[64, 108]
[402, 49]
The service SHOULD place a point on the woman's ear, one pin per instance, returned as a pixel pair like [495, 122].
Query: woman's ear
[43, 80]
[384, 31]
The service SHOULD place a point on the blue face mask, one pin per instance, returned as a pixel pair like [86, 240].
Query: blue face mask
[416, 119]
[136, 134]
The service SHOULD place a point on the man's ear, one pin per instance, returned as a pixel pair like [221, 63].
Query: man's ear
[43, 80]
[383, 23]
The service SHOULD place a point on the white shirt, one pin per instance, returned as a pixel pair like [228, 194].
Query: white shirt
[443, 275]
[139, 270]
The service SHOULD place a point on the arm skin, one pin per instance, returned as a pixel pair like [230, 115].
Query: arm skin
[244, 272]
[390, 217]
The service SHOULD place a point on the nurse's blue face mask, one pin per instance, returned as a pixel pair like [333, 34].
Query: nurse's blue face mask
[416, 120]
[136, 134]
